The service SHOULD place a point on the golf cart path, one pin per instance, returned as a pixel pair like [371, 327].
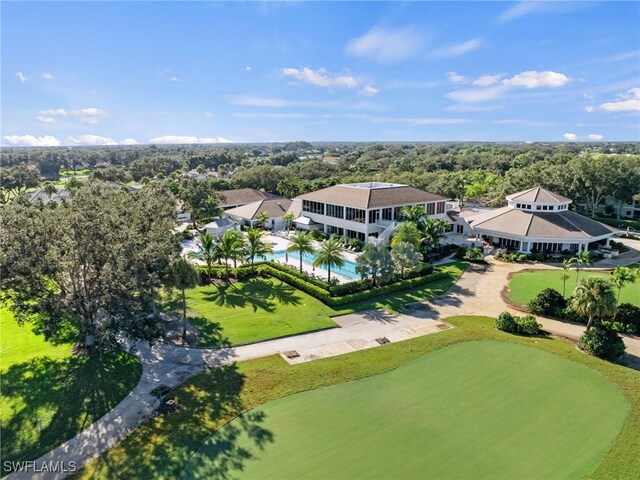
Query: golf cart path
[477, 292]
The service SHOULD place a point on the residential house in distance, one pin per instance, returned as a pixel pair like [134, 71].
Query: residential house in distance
[40, 195]
[533, 220]
[218, 226]
[367, 211]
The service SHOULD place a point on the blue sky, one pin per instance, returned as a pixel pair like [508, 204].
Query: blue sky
[160, 72]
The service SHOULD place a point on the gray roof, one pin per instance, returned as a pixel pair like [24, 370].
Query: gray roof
[220, 223]
[563, 225]
[275, 208]
[538, 194]
[372, 195]
[242, 196]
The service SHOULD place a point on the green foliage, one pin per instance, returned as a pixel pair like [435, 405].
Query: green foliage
[509, 323]
[407, 232]
[528, 325]
[301, 243]
[594, 298]
[548, 302]
[330, 254]
[375, 263]
[628, 315]
[474, 255]
[405, 258]
[602, 342]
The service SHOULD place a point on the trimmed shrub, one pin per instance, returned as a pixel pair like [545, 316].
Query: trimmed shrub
[507, 323]
[528, 325]
[602, 342]
[629, 316]
[474, 254]
[548, 302]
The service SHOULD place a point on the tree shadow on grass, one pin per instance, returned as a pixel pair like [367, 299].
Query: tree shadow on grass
[257, 294]
[209, 332]
[68, 395]
[162, 447]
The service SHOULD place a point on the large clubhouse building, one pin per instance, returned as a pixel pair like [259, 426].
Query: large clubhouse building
[367, 211]
[534, 220]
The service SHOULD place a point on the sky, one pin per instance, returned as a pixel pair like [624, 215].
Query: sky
[106, 73]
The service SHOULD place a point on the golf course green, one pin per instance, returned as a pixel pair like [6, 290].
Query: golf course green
[481, 409]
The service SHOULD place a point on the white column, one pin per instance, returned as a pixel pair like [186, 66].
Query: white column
[608, 241]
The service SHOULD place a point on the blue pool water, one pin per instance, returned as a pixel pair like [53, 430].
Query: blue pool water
[348, 270]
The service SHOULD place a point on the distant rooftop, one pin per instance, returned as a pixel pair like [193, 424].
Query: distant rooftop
[373, 185]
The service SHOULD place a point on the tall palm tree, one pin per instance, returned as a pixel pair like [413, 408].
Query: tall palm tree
[620, 277]
[231, 246]
[583, 259]
[208, 251]
[182, 275]
[594, 298]
[566, 265]
[405, 257]
[301, 243]
[415, 214]
[433, 232]
[288, 218]
[407, 232]
[263, 218]
[330, 254]
[375, 262]
[255, 246]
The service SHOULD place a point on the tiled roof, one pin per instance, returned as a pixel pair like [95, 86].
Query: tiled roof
[381, 195]
[538, 194]
[275, 208]
[242, 196]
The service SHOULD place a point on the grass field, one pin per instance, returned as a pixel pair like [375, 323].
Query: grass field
[44, 381]
[261, 309]
[161, 448]
[526, 285]
[475, 410]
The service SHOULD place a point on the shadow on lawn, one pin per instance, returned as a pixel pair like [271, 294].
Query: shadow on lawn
[67, 394]
[258, 294]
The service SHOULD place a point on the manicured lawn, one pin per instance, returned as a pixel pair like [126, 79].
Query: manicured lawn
[482, 409]
[254, 310]
[161, 448]
[45, 381]
[526, 285]
[261, 309]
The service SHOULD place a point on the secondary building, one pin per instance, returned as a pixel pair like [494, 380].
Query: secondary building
[243, 196]
[251, 213]
[534, 220]
[367, 211]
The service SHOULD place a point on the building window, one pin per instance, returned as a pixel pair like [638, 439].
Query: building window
[397, 213]
[331, 230]
[386, 214]
[517, 205]
[441, 207]
[355, 214]
[313, 207]
[538, 207]
[430, 208]
[544, 207]
[336, 211]
[550, 207]
[374, 215]
[358, 235]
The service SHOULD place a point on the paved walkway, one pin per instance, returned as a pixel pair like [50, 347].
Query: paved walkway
[476, 293]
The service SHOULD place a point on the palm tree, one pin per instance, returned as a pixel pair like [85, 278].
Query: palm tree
[182, 275]
[433, 232]
[620, 277]
[208, 251]
[594, 298]
[288, 218]
[301, 243]
[255, 246]
[407, 232]
[375, 262]
[263, 218]
[49, 188]
[330, 254]
[566, 265]
[415, 214]
[405, 257]
[231, 246]
[583, 259]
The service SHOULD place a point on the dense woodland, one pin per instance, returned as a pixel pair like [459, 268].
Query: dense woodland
[485, 173]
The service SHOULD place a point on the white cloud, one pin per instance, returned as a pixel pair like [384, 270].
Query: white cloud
[523, 8]
[533, 79]
[369, 90]
[472, 95]
[274, 102]
[129, 141]
[89, 116]
[456, 78]
[320, 77]
[277, 115]
[487, 80]
[589, 108]
[90, 140]
[208, 114]
[31, 141]
[21, 77]
[174, 79]
[386, 45]
[47, 76]
[457, 49]
[571, 137]
[43, 119]
[595, 136]
[629, 102]
[178, 139]
[248, 68]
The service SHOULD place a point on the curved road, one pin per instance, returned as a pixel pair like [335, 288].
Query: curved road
[476, 293]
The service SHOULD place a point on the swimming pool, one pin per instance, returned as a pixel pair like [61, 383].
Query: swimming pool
[348, 270]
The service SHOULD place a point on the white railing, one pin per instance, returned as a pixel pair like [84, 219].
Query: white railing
[385, 235]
